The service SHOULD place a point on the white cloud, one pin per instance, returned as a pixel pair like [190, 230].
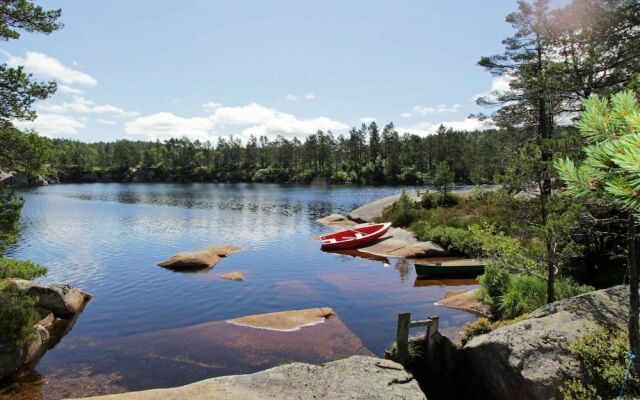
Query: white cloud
[367, 120]
[48, 67]
[52, 125]
[498, 84]
[310, 96]
[441, 108]
[165, 125]
[468, 124]
[211, 106]
[69, 89]
[105, 121]
[252, 118]
[291, 97]
[82, 105]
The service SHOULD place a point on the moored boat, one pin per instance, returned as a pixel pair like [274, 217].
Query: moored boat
[354, 237]
[451, 269]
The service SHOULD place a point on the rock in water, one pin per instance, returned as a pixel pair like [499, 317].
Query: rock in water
[197, 259]
[233, 276]
[531, 359]
[356, 377]
[62, 300]
[286, 321]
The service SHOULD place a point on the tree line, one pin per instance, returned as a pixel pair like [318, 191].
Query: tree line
[365, 155]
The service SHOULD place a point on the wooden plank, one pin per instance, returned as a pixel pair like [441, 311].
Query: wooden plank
[415, 324]
[402, 336]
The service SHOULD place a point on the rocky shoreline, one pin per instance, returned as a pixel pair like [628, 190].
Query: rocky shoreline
[58, 307]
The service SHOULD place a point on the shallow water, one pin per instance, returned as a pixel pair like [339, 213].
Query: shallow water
[107, 239]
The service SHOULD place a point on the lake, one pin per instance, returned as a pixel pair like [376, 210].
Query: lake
[147, 326]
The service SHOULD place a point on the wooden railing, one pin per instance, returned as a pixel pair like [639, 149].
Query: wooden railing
[402, 336]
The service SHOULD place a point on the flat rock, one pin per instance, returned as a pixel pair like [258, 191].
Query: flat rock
[286, 321]
[532, 357]
[465, 300]
[336, 220]
[62, 300]
[233, 276]
[400, 243]
[201, 258]
[356, 377]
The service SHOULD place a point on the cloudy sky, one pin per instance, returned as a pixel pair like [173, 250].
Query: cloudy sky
[149, 69]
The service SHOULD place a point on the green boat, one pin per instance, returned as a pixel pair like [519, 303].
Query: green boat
[451, 269]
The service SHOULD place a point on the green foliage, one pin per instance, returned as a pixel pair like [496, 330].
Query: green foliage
[493, 283]
[25, 152]
[17, 314]
[20, 269]
[402, 212]
[10, 206]
[611, 130]
[443, 178]
[603, 356]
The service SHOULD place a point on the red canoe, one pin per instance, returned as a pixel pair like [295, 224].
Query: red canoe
[354, 237]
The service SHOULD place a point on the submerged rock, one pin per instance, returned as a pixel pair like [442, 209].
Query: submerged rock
[63, 301]
[532, 357]
[233, 276]
[286, 320]
[202, 258]
[356, 377]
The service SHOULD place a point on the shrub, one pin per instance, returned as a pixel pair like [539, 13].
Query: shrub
[493, 283]
[603, 357]
[475, 328]
[523, 293]
[17, 314]
[20, 269]
[402, 212]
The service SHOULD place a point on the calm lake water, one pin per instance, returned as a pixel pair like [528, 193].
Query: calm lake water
[108, 238]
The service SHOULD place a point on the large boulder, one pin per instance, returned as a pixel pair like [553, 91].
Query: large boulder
[40, 181]
[532, 357]
[357, 377]
[197, 259]
[13, 179]
[336, 220]
[63, 301]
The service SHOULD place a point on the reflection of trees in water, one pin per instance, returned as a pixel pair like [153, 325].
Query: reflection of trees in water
[403, 268]
[319, 209]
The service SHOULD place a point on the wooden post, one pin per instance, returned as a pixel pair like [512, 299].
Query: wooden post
[402, 336]
[432, 328]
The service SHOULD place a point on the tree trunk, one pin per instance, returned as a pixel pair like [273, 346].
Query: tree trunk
[633, 247]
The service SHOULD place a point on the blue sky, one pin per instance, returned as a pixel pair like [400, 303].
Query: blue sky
[155, 69]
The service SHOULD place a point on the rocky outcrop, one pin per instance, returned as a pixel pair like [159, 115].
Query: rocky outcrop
[401, 243]
[357, 377]
[336, 220]
[58, 307]
[61, 300]
[40, 181]
[532, 357]
[198, 259]
[13, 179]
[373, 211]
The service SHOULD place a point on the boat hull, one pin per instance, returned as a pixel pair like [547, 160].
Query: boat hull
[448, 271]
[354, 238]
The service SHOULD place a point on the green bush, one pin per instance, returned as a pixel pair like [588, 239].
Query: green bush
[17, 314]
[475, 328]
[493, 283]
[603, 357]
[523, 293]
[403, 212]
[20, 269]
